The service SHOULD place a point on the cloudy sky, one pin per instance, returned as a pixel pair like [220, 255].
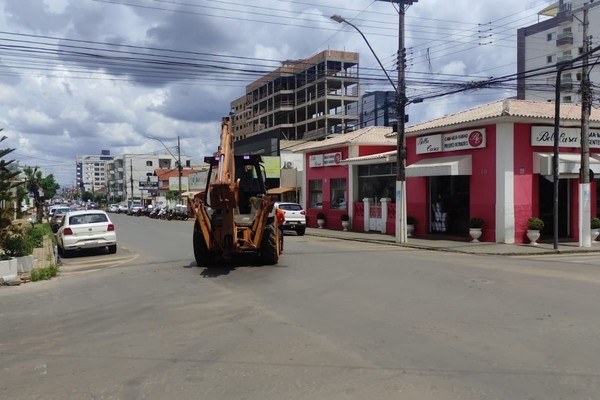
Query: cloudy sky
[80, 76]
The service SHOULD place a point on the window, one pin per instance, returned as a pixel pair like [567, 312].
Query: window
[315, 193]
[549, 37]
[338, 194]
[567, 99]
[148, 163]
[549, 59]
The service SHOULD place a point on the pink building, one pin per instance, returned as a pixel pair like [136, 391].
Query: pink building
[493, 162]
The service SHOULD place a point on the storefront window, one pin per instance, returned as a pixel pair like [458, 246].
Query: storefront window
[377, 181]
[315, 193]
[338, 194]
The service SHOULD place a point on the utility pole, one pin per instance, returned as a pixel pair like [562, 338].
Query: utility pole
[131, 178]
[401, 233]
[179, 167]
[585, 238]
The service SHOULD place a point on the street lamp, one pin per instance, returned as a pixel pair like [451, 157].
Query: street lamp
[179, 167]
[401, 233]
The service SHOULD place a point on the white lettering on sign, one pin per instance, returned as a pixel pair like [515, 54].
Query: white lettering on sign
[471, 139]
[567, 137]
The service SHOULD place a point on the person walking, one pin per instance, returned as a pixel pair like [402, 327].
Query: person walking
[280, 214]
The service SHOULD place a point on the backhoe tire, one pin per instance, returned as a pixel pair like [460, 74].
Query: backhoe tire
[204, 258]
[268, 245]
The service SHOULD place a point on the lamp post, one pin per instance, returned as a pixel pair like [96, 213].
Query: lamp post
[178, 158]
[400, 221]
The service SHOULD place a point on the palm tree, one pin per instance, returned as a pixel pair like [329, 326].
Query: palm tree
[33, 178]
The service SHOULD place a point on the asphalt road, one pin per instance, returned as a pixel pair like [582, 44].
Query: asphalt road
[333, 320]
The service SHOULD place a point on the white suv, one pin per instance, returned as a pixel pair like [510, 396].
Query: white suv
[295, 217]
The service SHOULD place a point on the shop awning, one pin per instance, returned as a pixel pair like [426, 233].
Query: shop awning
[281, 190]
[441, 166]
[569, 163]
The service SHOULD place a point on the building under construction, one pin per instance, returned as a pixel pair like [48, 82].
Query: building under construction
[303, 99]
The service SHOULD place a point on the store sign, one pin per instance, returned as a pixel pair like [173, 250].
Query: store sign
[464, 140]
[197, 180]
[150, 183]
[568, 137]
[174, 183]
[325, 160]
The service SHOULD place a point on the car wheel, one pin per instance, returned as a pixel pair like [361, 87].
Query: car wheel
[112, 249]
[301, 231]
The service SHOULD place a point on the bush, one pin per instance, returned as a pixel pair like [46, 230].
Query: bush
[16, 245]
[410, 220]
[345, 217]
[35, 234]
[595, 223]
[476, 222]
[320, 215]
[535, 224]
[44, 274]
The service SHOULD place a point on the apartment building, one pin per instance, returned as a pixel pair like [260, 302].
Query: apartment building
[90, 171]
[378, 109]
[127, 171]
[302, 99]
[555, 40]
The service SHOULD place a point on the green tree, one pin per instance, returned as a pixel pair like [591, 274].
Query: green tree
[7, 183]
[33, 179]
[170, 195]
[49, 186]
[85, 196]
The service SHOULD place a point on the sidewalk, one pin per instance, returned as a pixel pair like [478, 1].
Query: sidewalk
[457, 246]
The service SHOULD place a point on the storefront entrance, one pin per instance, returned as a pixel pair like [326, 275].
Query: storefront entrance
[546, 193]
[449, 204]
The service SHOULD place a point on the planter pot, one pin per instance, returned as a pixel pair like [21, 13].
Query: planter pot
[533, 235]
[475, 234]
[8, 269]
[409, 230]
[345, 225]
[594, 234]
[321, 223]
[24, 264]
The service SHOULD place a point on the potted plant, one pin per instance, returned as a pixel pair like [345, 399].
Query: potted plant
[410, 225]
[595, 227]
[534, 226]
[475, 225]
[321, 219]
[345, 221]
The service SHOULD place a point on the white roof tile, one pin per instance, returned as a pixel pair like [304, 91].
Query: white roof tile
[369, 136]
[517, 109]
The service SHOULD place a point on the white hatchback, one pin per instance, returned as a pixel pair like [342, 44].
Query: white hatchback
[87, 229]
[295, 217]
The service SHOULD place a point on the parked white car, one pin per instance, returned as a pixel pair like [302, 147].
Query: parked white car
[87, 229]
[295, 217]
[113, 208]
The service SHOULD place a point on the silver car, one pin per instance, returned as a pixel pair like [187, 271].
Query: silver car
[87, 229]
[295, 217]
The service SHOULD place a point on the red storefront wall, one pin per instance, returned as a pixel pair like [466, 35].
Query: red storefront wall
[325, 174]
[482, 184]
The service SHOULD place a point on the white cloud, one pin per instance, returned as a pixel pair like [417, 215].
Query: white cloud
[56, 106]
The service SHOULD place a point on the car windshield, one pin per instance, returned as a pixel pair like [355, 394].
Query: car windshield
[87, 219]
[62, 211]
[290, 207]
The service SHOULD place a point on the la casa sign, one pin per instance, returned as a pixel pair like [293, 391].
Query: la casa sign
[567, 137]
[463, 140]
[325, 160]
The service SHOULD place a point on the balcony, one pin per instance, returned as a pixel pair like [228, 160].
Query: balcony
[564, 38]
[564, 59]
